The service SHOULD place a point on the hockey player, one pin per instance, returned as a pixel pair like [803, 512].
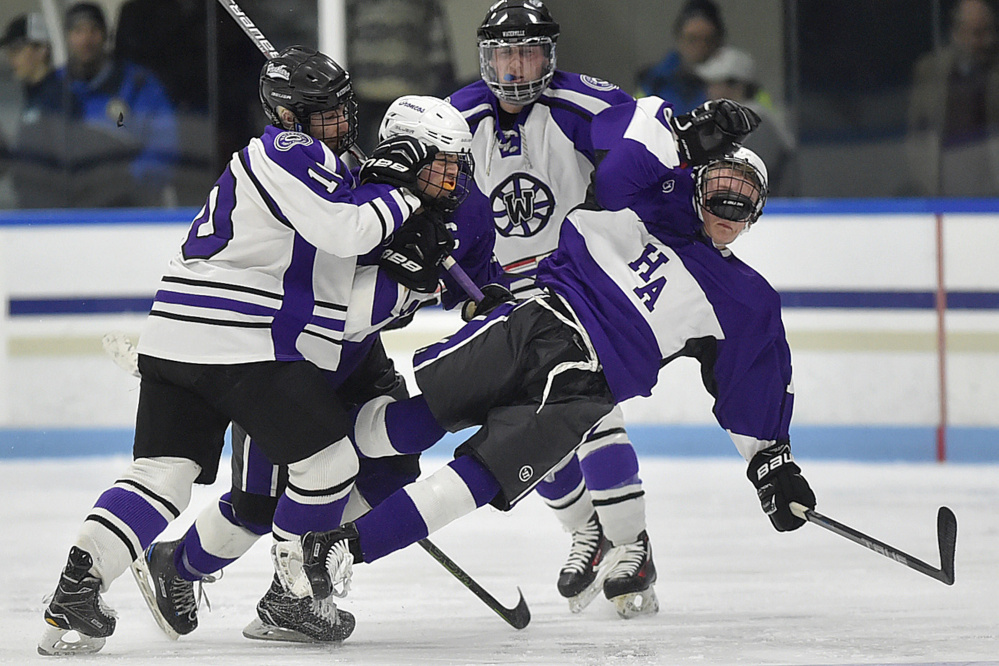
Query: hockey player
[247, 317]
[532, 144]
[390, 284]
[627, 291]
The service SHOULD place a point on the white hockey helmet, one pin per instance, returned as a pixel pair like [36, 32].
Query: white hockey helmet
[430, 120]
[718, 186]
[434, 122]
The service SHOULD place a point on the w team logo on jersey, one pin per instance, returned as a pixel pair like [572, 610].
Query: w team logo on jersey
[522, 205]
[285, 141]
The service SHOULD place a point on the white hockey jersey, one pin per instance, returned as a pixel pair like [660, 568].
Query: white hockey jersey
[267, 269]
[528, 177]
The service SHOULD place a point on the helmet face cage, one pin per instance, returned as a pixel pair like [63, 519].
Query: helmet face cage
[445, 182]
[338, 130]
[731, 188]
[523, 29]
[536, 59]
[311, 85]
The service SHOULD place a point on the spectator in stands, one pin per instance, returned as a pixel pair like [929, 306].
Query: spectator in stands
[34, 159]
[395, 48]
[731, 73]
[123, 145]
[169, 38]
[954, 108]
[699, 32]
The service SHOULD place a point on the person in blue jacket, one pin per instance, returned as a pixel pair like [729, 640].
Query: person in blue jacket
[699, 32]
[124, 131]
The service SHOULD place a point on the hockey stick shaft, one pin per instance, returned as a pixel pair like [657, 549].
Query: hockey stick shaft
[461, 277]
[517, 617]
[252, 31]
[946, 538]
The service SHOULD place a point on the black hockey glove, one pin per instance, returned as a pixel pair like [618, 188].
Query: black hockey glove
[415, 251]
[711, 130]
[493, 295]
[397, 161]
[779, 482]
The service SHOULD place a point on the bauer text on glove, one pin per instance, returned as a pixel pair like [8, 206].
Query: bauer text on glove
[779, 482]
[397, 161]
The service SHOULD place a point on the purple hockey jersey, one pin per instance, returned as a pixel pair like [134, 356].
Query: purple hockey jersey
[648, 287]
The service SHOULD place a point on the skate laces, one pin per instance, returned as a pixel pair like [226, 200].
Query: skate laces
[185, 599]
[326, 610]
[631, 557]
[339, 564]
[585, 542]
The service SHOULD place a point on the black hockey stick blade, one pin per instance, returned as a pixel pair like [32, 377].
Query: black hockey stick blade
[946, 539]
[517, 617]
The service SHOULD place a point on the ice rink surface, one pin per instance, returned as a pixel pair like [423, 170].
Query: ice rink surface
[732, 590]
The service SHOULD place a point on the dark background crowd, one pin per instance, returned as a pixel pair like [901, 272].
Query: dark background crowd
[141, 102]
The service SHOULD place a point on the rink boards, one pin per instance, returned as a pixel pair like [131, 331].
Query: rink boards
[860, 282]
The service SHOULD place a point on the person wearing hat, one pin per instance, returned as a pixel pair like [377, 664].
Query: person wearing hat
[124, 127]
[33, 159]
[26, 46]
[731, 74]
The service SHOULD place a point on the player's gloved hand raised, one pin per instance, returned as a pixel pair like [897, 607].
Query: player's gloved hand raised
[493, 295]
[779, 482]
[397, 161]
[711, 130]
[415, 251]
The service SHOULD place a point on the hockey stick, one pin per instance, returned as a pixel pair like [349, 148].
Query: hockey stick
[461, 277]
[125, 356]
[252, 31]
[517, 617]
[946, 540]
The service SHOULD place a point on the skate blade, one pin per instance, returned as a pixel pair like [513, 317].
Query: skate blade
[586, 597]
[634, 604]
[259, 630]
[140, 571]
[56, 642]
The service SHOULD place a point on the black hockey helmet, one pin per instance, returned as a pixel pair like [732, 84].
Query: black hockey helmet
[512, 24]
[305, 81]
[516, 20]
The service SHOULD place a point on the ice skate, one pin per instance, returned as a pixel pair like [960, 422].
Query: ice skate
[630, 582]
[327, 559]
[171, 599]
[281, 616]
[77, 607]
[580, 578]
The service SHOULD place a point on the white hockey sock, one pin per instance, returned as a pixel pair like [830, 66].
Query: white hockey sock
[129, 515]
[622, 519]
[220, 537]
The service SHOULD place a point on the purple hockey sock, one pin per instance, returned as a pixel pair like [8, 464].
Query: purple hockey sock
[566, 480]
[610, 467]
[411, 426]
[397, 522]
